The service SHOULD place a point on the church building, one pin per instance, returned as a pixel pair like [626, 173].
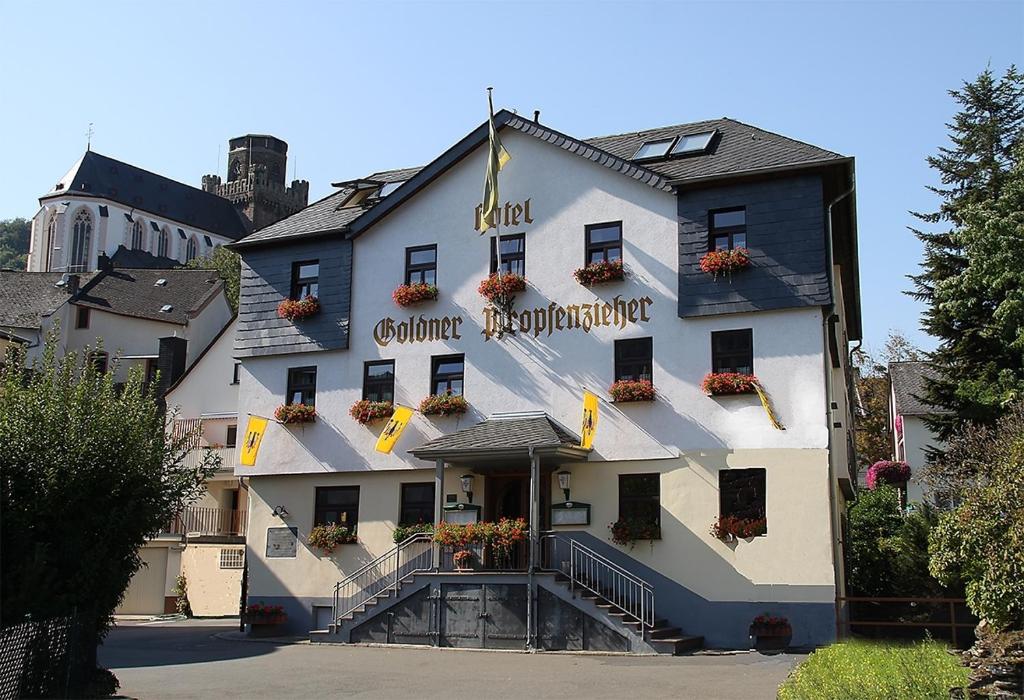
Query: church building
[646, 415]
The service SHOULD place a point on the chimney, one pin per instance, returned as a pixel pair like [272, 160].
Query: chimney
[103, 262]
[71, 285]
[170, 362]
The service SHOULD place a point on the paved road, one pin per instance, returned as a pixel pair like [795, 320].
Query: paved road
[186, 660]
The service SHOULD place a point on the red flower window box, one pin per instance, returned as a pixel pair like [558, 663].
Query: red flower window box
[725, 262]
[366, 411]
[443, 405]
[726, 383]
[295, 310]
[628, 390]
[409, 294]
[493, 288]
[295, 413]
[729, 527]
[600, 272]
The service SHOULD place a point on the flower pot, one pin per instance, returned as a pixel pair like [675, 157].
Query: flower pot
[265, 625]
[771, 639]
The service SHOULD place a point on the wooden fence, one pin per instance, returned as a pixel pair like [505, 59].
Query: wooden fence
[906, 617]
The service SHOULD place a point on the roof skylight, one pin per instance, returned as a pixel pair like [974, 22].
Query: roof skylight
[166, 309]
[390, 187]
[653, 149]
[693, 143]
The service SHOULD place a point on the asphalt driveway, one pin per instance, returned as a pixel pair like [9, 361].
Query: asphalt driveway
[186, 660]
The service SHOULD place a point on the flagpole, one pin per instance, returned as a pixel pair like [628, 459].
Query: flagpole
[497, 220]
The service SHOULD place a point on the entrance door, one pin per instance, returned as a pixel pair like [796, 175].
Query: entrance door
[483, 616]
[145, 594]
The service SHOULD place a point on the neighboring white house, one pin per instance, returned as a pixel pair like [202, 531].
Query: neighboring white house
[912, 438]
[658, 200]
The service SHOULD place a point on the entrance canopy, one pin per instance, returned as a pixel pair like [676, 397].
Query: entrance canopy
[504, 438]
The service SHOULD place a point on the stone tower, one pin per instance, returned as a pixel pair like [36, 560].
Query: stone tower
[256, 180]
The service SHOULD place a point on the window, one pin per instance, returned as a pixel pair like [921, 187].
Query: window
[138, 234]
[604, 242]
[733, 351]
[162, 242]
[741, 493]
[693, 143]
[305, 279]
[99, 361]
[234, 372]
[389, 188]
[81, 234]
[633, 359]
[232, 558]
[152, 369]
[446, 374]
[513, 254]
[417, 504]
[302, 385]
[51, 234]
[192, 249]
[82, 317]
[640, 498]
[232, 436]
[379, 380]
[728, 229]
[421, 265]
[337, 504]
[653, 149]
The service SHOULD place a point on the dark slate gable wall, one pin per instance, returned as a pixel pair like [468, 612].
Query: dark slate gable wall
[786, 238]
[266, 280]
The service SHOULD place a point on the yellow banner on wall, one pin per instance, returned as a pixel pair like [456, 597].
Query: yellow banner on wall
[393, 430]
[253, 437]
[589, 426]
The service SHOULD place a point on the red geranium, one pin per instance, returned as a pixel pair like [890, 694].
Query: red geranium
[366, 411]
[510, 283]
[600, 272]
[443, 405]
[738, 527]
[720, 383]
[719, 262]
[295, 413]
[632, 390]
[293, 310]
[407, 294]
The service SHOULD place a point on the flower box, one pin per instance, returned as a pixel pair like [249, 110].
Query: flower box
[730, 528]
[404, 532]
[366, 411]
[771, 634]
[629, 531]
[409, 294]
[627, 390]
[327, 537]
[295, 310]
[443, 405]
[494, 288]
[726, 383]
[725, 262]
[887, 472]
[263, 619]
[600, 272]
[295, 413]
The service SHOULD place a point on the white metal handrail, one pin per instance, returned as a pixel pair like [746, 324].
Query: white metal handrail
[384, 574]
[601, 576]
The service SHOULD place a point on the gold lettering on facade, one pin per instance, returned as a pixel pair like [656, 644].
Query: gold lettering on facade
[545, 320]
[509, 214]
[416, 330]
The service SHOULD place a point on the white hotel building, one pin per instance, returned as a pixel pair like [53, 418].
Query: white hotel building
[659, 200]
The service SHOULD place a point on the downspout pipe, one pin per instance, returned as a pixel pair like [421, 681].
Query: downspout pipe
[534, 531]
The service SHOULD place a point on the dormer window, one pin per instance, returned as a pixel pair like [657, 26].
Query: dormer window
[693, 143]
[389, 188]
[653, 149]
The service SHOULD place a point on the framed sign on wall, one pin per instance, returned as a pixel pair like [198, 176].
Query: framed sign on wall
[282, 542]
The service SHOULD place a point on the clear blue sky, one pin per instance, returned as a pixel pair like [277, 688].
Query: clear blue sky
[359, 87]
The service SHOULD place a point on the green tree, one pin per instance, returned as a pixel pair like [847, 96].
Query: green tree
[87, 474]
[981, 542]
[15, 235]
[962, 287]
[228, 265]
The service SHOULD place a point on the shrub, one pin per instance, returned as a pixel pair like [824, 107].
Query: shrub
[327, 537]
[742, 528]
[718, 262]
[859, 670]
[404, 532]
[443, 405]
[630, 530]
[626, 390]
[494, 288]
[408, 294]
[180, 591]
[294, 310]
[724, 383]
[886, 472]
[295, 413]
[600, 272]
[366, 411]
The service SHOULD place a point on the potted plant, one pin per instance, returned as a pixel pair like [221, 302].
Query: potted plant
[628, 390]
[327, 537]
[409, 294]
[404, 532]
[771, 634]
[727, 383]
[503, 536]
[630, 530]
[463, 560]
[493, 288]
[446, 404]
[264, 620]
[887, 472]
[457, 539]
[600, 272]
[730, 527]
[295, 413]
[724, 262]
[366, 411]
[296, 309]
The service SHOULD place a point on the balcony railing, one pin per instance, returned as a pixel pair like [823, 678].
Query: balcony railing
[208, 521]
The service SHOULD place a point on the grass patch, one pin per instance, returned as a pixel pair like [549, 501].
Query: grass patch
[861, 670]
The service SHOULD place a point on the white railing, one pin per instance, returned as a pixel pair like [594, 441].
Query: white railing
[384, 574]
[599, 575]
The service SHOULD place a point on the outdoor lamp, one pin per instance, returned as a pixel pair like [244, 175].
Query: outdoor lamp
[280, 511]
[563, 482]
[467, 486]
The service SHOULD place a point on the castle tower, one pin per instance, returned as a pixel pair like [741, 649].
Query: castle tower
[256, 180]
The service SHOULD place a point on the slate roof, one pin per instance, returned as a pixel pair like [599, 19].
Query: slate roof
[908, 384]
[126, 258]
[25, 297]
[501, 433]
[736, 149]
[97, 175]
[136, 293]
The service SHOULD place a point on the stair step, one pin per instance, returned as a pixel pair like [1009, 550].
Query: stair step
[665, 632]
[677, 645]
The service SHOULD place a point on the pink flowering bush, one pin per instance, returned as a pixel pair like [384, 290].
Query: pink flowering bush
[886, 472]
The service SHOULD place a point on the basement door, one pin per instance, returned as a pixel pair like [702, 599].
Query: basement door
[483, 616]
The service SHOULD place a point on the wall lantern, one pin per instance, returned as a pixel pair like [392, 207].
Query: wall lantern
[280, 511]
[467, 486]
[563, 482]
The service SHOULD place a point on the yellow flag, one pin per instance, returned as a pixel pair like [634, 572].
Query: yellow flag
[766, 404]
[253, 437]
[393, 430]
[589, 420]
[497, 156]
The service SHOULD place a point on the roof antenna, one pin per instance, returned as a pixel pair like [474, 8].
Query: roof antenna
[536, 116]
[88, 137]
